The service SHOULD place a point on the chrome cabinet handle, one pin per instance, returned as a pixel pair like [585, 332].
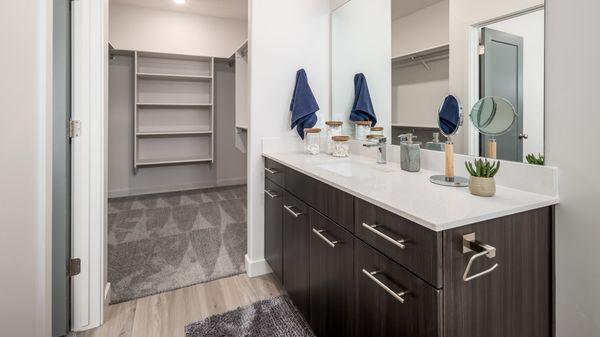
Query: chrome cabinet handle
[373, 228]
[289, 209]
[271, 194]
[271, 171]
[396, 295]
[320, 232]
[472, 245]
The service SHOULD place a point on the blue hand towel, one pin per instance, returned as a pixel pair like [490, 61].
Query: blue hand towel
[362, 109]
[449, 115]
[304, 105]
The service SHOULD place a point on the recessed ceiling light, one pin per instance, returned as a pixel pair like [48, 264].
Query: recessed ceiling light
[179, 2]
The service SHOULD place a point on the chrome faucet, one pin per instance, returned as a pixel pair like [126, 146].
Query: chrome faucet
[379, 143]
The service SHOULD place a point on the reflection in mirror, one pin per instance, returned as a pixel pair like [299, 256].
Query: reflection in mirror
[493, 117]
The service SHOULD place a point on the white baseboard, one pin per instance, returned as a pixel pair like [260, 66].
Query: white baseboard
[257, 268]
[175, 188]
[107, 291]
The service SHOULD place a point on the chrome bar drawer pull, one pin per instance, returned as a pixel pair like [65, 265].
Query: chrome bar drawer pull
[396, 295]
[271, 171]
[320, 232]
[271, 194]
[470, 244]
[291, 211]
[373, 228]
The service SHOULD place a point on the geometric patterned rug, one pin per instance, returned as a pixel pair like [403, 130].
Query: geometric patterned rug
[166, 241]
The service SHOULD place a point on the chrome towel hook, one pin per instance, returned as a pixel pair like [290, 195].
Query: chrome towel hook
[470, 244]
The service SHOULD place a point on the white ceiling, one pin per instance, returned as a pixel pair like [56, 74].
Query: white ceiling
[234, 9]
[402, 8]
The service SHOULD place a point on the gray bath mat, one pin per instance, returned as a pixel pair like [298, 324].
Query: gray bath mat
[275, 317]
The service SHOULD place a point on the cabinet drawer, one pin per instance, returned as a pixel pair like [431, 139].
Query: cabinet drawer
[275, 172]
[333, 203]
[391, 301]
[274, 227]
[411, 245]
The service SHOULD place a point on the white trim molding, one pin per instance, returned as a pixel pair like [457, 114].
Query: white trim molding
[257, 268]
[90, 80]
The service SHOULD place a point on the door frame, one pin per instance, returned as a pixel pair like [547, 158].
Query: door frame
[473, 74]
[89, 43]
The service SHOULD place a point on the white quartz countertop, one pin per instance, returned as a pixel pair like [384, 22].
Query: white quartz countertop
[411, 195]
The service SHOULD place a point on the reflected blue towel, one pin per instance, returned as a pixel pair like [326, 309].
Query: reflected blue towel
[304, 105]
[449, 115]
[362, 109]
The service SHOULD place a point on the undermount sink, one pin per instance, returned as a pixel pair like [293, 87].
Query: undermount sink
[353, 169]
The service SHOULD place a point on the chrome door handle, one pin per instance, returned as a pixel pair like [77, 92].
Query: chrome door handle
[472, 245]
[523, 136]
[373, 228]
[271, 171]
[396, 295]
[291, 211]
[271, 194]
[320, 232]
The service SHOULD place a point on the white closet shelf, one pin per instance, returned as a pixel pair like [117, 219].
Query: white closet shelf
[176, 104]
[173, 77]
[173, 133]
[158, 162]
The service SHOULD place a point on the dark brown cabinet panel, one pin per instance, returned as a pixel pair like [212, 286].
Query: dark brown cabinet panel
[422, 252]
[514, 300]
[335, 204]
[275, 172]
[295, 251]
[331, 278]
[414, 310]
[274, 227]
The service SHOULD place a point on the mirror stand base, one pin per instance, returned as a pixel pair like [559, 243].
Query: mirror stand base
[449, 181]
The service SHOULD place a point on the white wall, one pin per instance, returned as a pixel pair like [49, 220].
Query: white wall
[531, 27]
[337, 3]
[229, 167]
[361, 43]
[145, 29]
[285, 35]
[422, 30]
[572, 121]
[464, 15]
[26, 152]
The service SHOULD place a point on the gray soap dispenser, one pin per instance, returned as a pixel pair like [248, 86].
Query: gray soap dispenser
[410, 153]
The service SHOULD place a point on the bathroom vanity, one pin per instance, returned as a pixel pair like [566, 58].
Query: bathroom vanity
[370, 250]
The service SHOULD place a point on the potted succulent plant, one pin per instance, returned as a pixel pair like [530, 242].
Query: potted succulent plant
[482, 173]
[535, 160]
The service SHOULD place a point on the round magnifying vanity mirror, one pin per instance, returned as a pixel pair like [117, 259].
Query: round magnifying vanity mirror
[450, 118]
[493, 117]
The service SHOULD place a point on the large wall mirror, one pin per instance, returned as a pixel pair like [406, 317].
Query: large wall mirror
[413, 53]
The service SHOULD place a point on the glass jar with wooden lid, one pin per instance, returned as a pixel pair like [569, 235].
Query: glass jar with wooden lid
[341, 148]
[362, 129]
[377, 130]
[312, 141]
[334, 128]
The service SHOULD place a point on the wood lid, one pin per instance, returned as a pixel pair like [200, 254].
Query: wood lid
[312, 130]
[334, 123]
[377, 128]
[374, 136]
[369, 123]
[340, 138]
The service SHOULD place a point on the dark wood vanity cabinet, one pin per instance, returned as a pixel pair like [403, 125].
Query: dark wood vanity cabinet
[354, 269]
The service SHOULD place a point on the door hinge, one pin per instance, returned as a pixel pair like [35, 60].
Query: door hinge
[74, 267]
[74, 128]
[481, 49]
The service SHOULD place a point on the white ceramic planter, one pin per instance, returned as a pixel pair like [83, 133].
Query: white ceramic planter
[483, 187]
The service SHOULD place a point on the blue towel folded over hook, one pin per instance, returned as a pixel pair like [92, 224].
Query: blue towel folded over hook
[362, 109]
[304, 105]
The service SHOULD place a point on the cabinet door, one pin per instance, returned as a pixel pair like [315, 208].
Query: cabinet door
[295, 251]
[391, 301]
[274, 228]
[331, 278]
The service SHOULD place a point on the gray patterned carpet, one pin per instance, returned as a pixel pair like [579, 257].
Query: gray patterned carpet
[162, 242]
[275, 317]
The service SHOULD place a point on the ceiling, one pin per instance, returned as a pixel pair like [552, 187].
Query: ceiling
[402, 8]
[233, 9]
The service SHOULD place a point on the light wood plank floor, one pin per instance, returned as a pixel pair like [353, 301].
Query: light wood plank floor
[167, 314]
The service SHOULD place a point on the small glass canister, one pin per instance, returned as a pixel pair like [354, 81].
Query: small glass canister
[341, 148]
[362, 129]
[334, 128]
[377, 130]
[312, 141]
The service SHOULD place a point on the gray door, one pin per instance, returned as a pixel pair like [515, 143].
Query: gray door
[501, 72]
[61, 168]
